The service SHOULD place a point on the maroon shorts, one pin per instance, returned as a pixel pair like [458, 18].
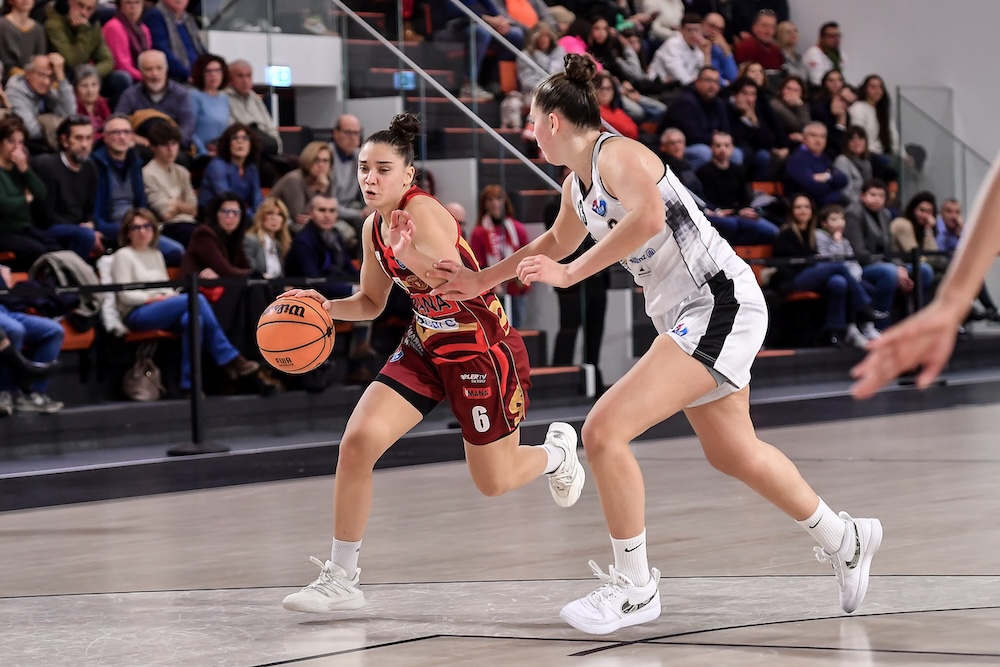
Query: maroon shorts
[488, 393]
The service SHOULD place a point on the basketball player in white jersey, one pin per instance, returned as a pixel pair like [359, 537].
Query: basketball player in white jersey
[927, 338]
[711, 319]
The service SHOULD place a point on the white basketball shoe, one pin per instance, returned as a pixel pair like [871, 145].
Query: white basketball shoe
[852, 562]
[617, 604]
[566, 481]
[332, 591]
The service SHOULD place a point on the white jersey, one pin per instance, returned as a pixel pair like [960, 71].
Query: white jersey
[676, 263]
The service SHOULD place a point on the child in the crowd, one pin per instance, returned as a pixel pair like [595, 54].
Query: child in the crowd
[830, 242]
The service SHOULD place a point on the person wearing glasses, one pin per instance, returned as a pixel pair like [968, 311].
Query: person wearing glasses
[42, 89]
[346, 144]
[138, 261]
[759, 46]
[313, 177]
[233, 169]
[120, 186]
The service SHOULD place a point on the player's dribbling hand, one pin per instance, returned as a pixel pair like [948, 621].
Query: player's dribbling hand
[926, 339]
[296, 293]
[543, 269]
[459, 282]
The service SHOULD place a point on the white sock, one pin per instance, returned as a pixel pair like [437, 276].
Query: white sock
[630, 558]
[345, 554]
[826, 528]
[556, 457]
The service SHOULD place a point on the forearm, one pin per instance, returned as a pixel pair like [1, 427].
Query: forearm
[547, 244]
[358, 307]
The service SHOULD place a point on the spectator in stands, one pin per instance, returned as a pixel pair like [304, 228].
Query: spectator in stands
[713, 29]
[698, 112]
[667, 16]
[728, 196]
[21, 37]
[744, 13]
[42, 93]
[138, 261]
[127, 37]
[755, 130]
[268, 241]
[830, 107]
[609, 101]
[176, 34]
[544, 50]
[749, 69]
[209, 75]
[790, 109]
[44, 337]
[19, 186]
[759, 46]
[80, 41]
[166, 99]
[246, 106]
[810, 170]
[496, 236]
[871, 112]
[89, 101]
[67, 210]
[681, 57]
[346, 143]
[787, 39]
[867, 231]
[233, 169]
[120, 186]
[168, 185]
[672, 149]
[313, 177]
[860, 165]
[830, 242]
[319, 251]
[915, 229]
[574, 37]
[456, 27]
[458, 212]
[825, 56]
[527, 14]
[949, 230]
[844, 295]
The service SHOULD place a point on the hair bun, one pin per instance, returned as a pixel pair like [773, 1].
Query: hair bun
[580, 69]
[406, 125]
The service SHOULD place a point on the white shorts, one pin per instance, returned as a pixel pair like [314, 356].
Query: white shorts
[723, 326]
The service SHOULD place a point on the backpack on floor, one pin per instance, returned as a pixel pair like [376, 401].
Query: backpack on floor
[64, 268]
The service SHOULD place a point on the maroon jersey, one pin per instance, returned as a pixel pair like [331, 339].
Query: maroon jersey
[446, 330]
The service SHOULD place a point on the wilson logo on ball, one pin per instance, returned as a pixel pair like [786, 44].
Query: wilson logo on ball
[287, 309]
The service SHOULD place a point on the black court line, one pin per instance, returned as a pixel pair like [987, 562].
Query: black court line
[649, 640]
[292, 661]
[838, 649]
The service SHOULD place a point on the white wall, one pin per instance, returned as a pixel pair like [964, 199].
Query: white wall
[921, 43]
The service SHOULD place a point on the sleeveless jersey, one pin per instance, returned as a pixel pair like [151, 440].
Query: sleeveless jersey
[445, 331]
[679, 260]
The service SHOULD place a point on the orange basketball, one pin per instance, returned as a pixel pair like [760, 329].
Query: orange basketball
[295, 335]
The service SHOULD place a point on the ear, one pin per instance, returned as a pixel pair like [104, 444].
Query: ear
[411, 173]
[554, 122]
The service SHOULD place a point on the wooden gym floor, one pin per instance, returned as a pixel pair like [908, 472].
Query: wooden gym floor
[452, 578]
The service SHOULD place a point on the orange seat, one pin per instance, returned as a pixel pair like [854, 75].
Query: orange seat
[7, 256]
[775, 188]
[508, 76]
[802, 296]
[764, 251]
[75, 341]
[146, 336]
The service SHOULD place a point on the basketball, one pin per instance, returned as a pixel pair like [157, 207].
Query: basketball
[295, 335]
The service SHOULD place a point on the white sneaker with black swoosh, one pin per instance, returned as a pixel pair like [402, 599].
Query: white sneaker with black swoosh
[566, 481]
[852, 562]
[617, 604]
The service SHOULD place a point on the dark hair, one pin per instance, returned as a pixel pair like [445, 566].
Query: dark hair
[223, 150]
[403, 129]
[69, 122]
[161, 134]
[855, 132]
[827, 211]
[572, 93]
[826, 26]
[10, 125]
[129, 218]
[232, 242]
[198, 70]
[691, 17]
[881, 111]
[910, 213]
[743, 82]
[874, 183]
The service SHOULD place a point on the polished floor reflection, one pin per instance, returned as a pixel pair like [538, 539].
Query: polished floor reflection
[453, 578]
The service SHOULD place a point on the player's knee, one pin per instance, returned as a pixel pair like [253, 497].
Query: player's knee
[598, 438]
[356, 451]
[736, 462]
[491, 486]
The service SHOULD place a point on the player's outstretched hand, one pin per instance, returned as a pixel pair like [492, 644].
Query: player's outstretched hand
[296, 293]
[923, 340]
[460, 283]
[544, 269]
[401, 230]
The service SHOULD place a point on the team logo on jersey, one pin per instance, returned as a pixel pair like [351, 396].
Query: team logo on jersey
[611, 223]
[477, 392]
[474, 378]
[680, 329]
[600, 207]
[397, 355]
[415, 283]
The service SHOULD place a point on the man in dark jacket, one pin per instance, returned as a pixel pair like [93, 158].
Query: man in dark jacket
[867, 228]
[809, 169]
[697, 112]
